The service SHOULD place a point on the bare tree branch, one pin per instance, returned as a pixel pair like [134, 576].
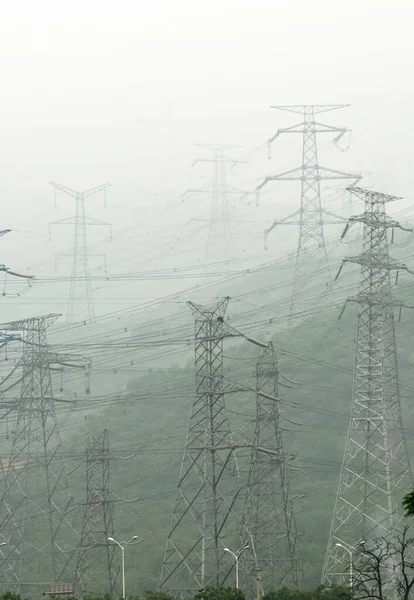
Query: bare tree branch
[385, 566]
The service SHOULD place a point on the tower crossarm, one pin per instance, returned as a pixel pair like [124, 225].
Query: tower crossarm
[70, 192]
[367, 260]
[96, 190]
[310, 172]
[302, 129]
[370, 197]
[378, 221]
[222, 159]
[380, 299]
[317, 108]
[65, 189]
[24, 324]
[69, 360]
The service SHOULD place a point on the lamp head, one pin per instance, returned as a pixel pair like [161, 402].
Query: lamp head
[111, 539]
[135, 537]
[339, 545]
[226, 550]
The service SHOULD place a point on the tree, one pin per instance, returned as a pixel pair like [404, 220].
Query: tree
[222, 593]
[154, 595]
[333, 592]
[7, 595]
[408, 504]
[384, 567]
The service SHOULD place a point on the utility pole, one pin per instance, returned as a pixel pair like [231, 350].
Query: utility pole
[80, 278]
[37, 504]
[209, 490]
[269, 509]
[220, 236]
[376, 473]
[95, 564]
[311, 216]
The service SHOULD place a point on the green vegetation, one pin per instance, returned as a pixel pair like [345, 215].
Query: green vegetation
[224, 593]
[151, 431]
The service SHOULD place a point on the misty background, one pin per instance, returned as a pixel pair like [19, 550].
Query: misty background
[104, 91]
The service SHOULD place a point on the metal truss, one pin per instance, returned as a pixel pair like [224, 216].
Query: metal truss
[37, 504]
[376, 472]
[80, 281]
[311, 216]
[95, 571]
[220, 239]
[269, 509]
[207, 514]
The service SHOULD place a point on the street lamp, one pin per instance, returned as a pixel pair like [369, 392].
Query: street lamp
[236, 556]
[123, 545]
[350, 550]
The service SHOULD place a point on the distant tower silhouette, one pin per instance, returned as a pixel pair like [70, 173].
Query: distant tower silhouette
[269, 510]
[220, 246]
[80, 278]
[95, 570]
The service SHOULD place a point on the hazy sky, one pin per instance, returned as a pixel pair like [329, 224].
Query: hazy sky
[98, 90]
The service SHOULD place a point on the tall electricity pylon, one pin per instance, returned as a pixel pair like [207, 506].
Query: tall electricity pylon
[37, 506]
[95, 564]
[269, 509]
[220, 236]
[376, 472]
[205, 518]
[80, 278]
[311, 216]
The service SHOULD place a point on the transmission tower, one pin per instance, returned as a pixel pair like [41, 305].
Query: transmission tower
[37, 505]
[376, 472]
[209, 492]
[311, 216]
[80, 278]
[220, 246]
[269, 509]
[95, 568]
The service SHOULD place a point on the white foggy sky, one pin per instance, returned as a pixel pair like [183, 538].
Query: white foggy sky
[96, 91]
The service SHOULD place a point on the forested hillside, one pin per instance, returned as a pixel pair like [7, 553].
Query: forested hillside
[148, 432]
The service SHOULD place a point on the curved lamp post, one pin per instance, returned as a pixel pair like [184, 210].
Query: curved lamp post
[350, 550]
[123, 545]
[236, 556]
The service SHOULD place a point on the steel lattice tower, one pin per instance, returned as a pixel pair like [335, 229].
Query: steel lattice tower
[95, 563]
[269, 509]
[37, 505]
[80, 277]
[220, 237]
[311, 216]
[209, 492]
[376, 472]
